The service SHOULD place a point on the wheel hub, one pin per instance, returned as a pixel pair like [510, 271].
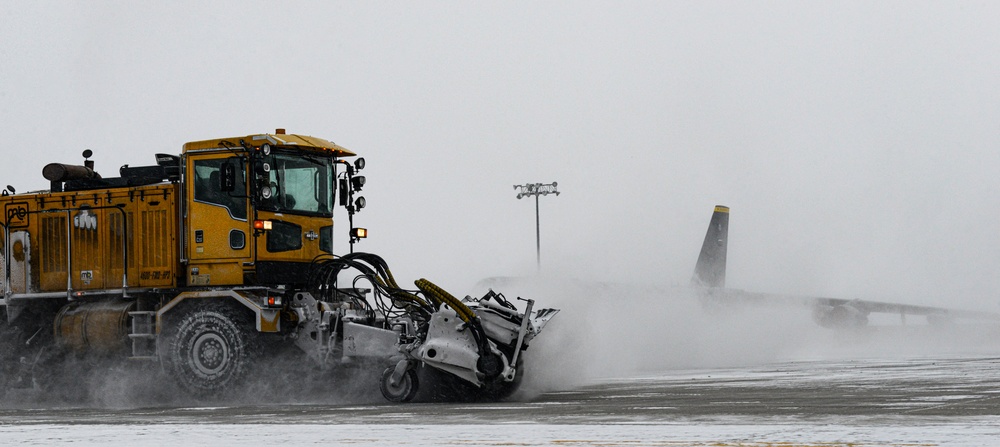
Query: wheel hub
[210, 354]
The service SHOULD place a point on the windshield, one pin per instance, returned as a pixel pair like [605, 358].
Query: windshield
[300, 184]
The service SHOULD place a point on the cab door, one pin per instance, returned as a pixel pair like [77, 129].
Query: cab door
[299, 211]
[218, 227]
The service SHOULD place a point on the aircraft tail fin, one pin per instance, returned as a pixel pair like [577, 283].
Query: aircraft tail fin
[711, 268]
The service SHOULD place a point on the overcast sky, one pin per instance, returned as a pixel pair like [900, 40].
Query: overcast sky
[856, 142]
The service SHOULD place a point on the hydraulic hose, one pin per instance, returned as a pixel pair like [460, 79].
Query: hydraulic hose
[324, 272]
[432, 290]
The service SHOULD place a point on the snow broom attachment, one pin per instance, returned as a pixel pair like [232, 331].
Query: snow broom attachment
[489, 363]
[482, 349]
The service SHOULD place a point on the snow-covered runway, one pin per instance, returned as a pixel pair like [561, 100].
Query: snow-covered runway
[923, 401]
[971, 432]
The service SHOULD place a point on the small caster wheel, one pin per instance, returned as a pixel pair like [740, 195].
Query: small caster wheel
[402, 391]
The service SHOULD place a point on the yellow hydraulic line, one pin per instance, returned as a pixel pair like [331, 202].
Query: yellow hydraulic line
[400, 295]
[409, 297]
[435, 300]
[390, 279]
[466, 314]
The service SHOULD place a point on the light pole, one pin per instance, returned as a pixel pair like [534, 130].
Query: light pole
[537, 189]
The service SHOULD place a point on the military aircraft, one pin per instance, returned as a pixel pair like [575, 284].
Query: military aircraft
[835, 313]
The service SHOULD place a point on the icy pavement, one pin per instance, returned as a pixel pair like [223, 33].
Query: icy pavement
[923, 401]
[971, 433]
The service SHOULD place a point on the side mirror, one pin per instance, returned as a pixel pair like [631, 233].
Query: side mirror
[227, 177]
[344, 192]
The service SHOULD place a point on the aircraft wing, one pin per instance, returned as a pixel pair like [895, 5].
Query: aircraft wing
[710, 276]
[842, 312]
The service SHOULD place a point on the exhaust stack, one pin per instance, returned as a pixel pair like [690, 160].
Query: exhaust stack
[57, 173]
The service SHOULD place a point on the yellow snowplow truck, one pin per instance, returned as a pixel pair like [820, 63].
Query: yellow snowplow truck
[199, 261]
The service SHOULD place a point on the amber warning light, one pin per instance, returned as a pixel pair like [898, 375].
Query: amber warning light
[262, 225]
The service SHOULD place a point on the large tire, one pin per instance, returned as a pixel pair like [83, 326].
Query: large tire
[404, 391]
[209, 350]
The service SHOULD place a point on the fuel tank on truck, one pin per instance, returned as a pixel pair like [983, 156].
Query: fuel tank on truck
[98, 327]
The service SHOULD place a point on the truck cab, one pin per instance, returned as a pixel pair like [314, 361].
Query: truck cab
[259, 215]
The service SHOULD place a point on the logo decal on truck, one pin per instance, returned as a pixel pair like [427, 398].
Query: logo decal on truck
[17, 214]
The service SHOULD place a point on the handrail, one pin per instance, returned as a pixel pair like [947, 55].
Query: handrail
[6, 261]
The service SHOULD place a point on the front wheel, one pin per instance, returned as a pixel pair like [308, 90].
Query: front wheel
[404, 391]
[209, 350]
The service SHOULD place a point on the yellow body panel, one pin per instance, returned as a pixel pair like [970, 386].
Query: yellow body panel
[98, 223]
[215, 274]
[310, 238]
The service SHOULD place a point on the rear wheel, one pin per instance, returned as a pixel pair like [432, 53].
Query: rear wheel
[209, 350]
[404, 391]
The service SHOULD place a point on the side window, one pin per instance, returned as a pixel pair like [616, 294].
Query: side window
[208, 186]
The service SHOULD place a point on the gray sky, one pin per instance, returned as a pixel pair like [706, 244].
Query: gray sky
[856, 142]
